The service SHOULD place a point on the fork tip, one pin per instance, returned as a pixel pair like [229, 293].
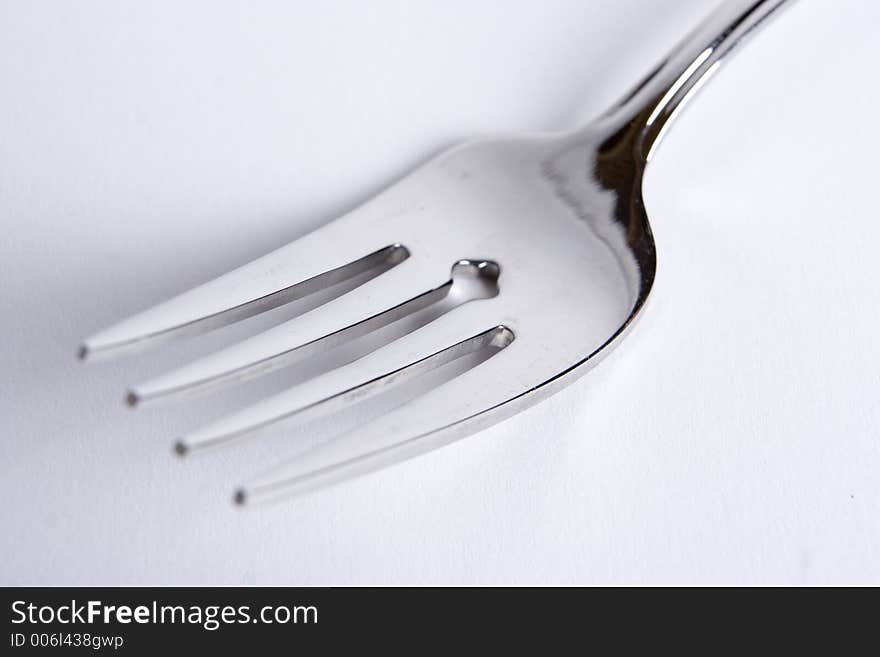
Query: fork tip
[132, 399]
[83, 352]
[181, 448]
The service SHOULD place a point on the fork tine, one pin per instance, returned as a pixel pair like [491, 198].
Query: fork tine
[404, 292]
[315, 262]
[427, 348]
[447, 413]
[400, 292]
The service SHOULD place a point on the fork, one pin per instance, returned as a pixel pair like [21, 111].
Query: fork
[519, 261]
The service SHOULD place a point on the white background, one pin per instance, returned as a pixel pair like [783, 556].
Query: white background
[732, 438]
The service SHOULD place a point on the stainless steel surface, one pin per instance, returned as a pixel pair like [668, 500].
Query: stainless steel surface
[519, 261]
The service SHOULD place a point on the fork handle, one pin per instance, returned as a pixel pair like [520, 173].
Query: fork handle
[650, 106]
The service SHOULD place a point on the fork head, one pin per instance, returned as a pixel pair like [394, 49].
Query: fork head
[522, 261]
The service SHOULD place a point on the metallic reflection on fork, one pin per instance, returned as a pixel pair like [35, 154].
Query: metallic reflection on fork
[552, 260]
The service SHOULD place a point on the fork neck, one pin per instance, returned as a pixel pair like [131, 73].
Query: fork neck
[647, 110]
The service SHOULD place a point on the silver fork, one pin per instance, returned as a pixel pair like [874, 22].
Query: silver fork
[526, 259]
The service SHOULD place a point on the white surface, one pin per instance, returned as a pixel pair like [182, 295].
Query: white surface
[733, 438]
